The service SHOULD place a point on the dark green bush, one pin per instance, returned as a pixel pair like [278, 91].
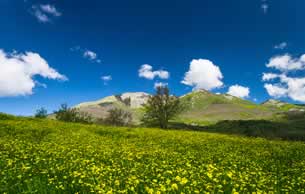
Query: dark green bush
[72, 115]
[41, 113]
[4, 116]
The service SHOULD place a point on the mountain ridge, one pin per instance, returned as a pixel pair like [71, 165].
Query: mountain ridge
[201, 107]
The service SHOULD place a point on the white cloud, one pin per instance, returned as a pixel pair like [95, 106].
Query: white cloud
[295, 88]
[50, 9]
[203, 74]
[275, 91]
[41, 17]
[45, 13]
[106, 79]
[146, 71]
[270, 76]
[239, 91]
[302, 59]
[287, 63]
[160, 84]
[18, 72]
[87, 54]
[90, 55]
[281, 46]
[287, 85]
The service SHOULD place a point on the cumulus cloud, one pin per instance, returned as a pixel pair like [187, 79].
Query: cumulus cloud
[160, 84]
[281, 46]
[90, 55]
[203, 74]
[45, 13]
[18, 72]
[295, 88]
[239, 91]
[146, 71]
[283, 83]
[276, 91]
[270, 76]
[287, 63]
[106, 79]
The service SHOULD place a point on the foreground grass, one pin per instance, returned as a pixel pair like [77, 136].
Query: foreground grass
[42, 156]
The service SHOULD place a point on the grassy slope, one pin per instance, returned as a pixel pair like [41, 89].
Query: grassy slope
[285, 107]
[47, 156]
[203, 107]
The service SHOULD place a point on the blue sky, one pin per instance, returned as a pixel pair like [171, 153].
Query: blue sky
[86, 40]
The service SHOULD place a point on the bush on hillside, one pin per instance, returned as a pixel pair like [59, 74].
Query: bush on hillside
[41, 113]
[286, 130]
[4, 116]
[294, 115]
[72, 115]
[117, 117]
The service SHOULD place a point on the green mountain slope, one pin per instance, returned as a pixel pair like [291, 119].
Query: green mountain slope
[201, 107]
[282, 106]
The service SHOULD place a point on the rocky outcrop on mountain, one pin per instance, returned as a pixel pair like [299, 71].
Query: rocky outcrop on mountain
[130, 99]
[127, 101]
[276, 103]
[283, 106]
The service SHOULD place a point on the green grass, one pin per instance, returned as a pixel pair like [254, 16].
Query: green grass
[45, 156]
[206, 107]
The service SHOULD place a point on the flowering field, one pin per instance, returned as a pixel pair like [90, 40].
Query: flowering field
[41, 156]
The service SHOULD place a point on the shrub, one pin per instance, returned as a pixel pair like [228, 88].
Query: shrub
[41, 113]
[4, 116]
[72, 115]
[118, 117]
[294, 115]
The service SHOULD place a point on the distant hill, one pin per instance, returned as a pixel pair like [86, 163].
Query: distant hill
[128, 101]
[201, 107]
[282, 106]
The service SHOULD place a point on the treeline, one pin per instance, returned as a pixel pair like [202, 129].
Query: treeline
[159, 109]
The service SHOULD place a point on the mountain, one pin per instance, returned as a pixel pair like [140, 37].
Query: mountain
[205, 107]
[201, 107]
[277, 105]
[131, 102]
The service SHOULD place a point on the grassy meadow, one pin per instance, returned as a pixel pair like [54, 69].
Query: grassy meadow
[45, 156]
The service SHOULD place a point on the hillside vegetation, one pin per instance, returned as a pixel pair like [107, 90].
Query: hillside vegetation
[201, 107]
[45, 156]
